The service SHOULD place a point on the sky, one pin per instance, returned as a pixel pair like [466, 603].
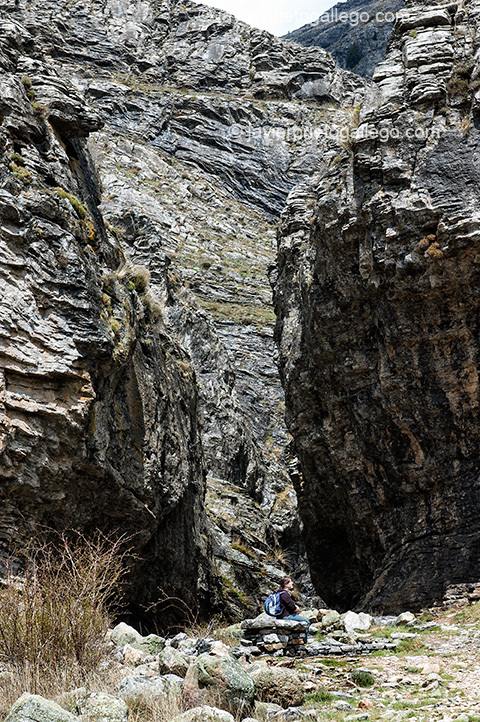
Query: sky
[277, 16]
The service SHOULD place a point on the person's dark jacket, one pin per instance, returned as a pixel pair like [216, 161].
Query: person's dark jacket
[287, 604]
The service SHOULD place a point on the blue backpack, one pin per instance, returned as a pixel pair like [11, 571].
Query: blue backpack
[272, 604]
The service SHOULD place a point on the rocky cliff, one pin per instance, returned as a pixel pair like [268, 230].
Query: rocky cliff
[378, 327]
[356, 32]
[99, 423]
[201, 126]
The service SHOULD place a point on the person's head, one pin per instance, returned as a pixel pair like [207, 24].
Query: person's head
[286, 584]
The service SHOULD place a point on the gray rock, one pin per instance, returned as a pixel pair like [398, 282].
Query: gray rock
[101, 707]
[277, 685]
[353, 621]
[151, 645]
[405, 618]
[33, 708]
[204, 713]
[134, 688]
[358, 44]
[224, 676]
[123, 634]
[342, 705]
[170, 661]
[172, 681]
[387, 231]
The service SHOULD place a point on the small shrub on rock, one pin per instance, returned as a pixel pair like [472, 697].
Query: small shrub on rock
[362, 678]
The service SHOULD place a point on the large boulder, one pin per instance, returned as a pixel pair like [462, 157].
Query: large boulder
[223, 677]
[353, 621]
[100, 707]
[204, 714]
[135, 688]
[171, 661]
[153, 644]
[277, 684]
[33, 708]
[123, 634]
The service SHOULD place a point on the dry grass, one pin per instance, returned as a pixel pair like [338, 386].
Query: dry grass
[157, 708]
[54, 616]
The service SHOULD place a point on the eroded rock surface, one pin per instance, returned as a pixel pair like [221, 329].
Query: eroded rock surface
[208, 125]
[355, 32]
[99, 422]
[378, 329]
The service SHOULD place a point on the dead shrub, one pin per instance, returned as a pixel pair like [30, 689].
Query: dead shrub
[54, 615]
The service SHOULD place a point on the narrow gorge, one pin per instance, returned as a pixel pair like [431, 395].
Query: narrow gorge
[164, 166]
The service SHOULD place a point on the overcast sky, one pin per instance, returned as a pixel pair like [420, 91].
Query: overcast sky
[277, 16]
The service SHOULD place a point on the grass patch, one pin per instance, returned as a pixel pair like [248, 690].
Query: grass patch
[243, 550]
[321, 696]
[386, 632]
[77, 206]
[336, 662]
[406, 704]
[21, 173]
[137, 276]
[469, 615]
[362, 678]
[241, 313]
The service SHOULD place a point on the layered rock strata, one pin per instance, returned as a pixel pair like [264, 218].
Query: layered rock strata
[99, 422]
[377, 306]
[355, 32]
[208, 125]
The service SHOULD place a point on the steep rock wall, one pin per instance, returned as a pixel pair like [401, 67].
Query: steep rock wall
[98, 405]
[208, 125]
[355, 32]
[378, 331]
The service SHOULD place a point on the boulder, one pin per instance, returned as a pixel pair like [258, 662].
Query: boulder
[330, 619]
[171, 661]
[153, 644]
[134, 688]
[353, 621]
[149, 669]
[204, 713]
[172, 682]
[133, 656]
[234, 630]
[225, 677]
[263, 621]
[33, 708]
[123, 634]
[219, 649]
[310, 614]
[277, 684]
[405, 618]
[266, 710]
[100, 707]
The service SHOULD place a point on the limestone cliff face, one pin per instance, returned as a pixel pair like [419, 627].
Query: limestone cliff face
[377, 304]
[208, 124]
[198, 152]
[98, 404]
[355, 32]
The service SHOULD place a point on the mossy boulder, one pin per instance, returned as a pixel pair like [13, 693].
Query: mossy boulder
[100, 707]
[225, 677]
[153, 644]
[33, 708]
[123, 634]
[278, 685]
[171, 661]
